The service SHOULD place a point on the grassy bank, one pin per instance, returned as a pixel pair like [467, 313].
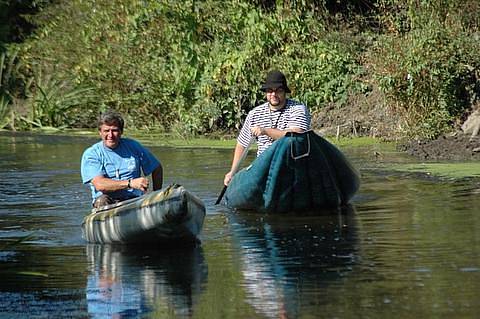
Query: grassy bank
[452, 170]
[159, 138]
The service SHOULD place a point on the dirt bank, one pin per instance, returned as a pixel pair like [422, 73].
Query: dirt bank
[361, 115]
[367, 116]
[457, 147]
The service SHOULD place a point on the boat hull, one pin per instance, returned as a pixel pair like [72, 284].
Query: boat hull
[298, 173]
[169, 215]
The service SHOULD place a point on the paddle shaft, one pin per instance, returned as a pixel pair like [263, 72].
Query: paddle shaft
[219, 199]
[234, 171]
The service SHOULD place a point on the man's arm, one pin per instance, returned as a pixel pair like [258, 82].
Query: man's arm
[274, 133]
[239, 149]
[107, 185]
[157, 177]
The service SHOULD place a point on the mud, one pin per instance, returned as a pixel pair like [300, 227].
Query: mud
[458, 147]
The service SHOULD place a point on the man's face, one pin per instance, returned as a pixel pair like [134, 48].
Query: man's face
[276, 97]
[110, 135]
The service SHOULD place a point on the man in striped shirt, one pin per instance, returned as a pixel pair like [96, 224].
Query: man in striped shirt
[271, 120]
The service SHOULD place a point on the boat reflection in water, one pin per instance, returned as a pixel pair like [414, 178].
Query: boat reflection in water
[288, 261]
[126, 282]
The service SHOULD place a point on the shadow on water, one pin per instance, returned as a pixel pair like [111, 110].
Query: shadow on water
[286, 260]
[133, 281]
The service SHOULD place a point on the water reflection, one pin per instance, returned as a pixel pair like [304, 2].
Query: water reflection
[286, 261]
[126, 282]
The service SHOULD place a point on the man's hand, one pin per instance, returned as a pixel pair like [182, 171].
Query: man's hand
[257, 131]
[227, 179]
[140, 183]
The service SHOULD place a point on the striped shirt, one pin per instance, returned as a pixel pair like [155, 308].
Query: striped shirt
[293, 115]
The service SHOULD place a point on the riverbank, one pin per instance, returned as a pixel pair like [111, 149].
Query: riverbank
[213, 141]
[365, 116]
[449, 157]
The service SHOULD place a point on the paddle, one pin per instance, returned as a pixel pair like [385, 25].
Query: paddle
[234, 171]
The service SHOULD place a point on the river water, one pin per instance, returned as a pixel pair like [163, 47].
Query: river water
[407, 246]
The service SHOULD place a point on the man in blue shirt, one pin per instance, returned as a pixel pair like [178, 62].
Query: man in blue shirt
[113, 167]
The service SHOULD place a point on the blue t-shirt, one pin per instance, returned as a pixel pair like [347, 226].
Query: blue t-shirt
[128, 160]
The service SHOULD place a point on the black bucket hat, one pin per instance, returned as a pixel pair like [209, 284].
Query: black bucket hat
[275, 80]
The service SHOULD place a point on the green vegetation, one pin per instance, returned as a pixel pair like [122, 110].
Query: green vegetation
[429, 73]
[443, 170]
[194, 67]
[356, 142]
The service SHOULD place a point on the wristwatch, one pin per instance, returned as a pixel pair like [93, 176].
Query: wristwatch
[129, 183]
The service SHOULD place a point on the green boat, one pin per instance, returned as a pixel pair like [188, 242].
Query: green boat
[298, 173]
[168, 216]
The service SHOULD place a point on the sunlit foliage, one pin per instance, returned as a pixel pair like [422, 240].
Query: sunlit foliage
[196, 66]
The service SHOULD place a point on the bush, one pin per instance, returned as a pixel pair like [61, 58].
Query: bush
[196, 66]
[193, 65]
[428, 74]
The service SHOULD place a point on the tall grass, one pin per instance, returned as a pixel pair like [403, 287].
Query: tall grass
[8, 85]
[51, 100]
[38, 99]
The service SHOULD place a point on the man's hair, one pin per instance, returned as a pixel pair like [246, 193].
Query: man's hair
[110, 118]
